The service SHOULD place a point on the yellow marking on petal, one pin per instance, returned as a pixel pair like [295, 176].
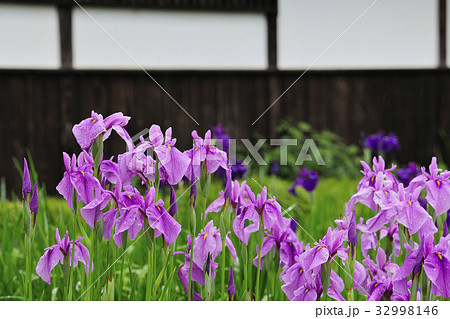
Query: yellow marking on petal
[439, 255]
[301, 270]
[438, 182]
[205, 235]
[195, 149]
[372, 179]
[319, 248]
[386, 192]
[170, 147]
[94, 120]
[82, 173]
[128, 196]
[376, 284]
[410, 203]
[306, 290]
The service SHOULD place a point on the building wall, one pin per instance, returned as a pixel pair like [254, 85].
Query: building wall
[391, 34]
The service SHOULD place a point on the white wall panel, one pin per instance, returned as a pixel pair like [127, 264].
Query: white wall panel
[169, 40]
[392, 34]
[29, 37]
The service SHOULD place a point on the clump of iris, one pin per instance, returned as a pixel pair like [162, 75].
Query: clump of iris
[407, 173]
[238, 170]
[381, 143]
[306, 179]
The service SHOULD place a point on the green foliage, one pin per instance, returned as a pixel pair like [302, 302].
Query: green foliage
[340, 159]
[314, 216]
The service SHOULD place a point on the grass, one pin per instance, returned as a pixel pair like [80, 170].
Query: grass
[314, 214]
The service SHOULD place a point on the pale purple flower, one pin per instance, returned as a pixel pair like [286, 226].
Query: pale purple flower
[252, 209]
[437, 183]
[59, 253]
[89, 129]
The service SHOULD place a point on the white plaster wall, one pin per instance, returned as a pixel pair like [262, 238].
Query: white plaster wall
[169, 40]
[392, 34]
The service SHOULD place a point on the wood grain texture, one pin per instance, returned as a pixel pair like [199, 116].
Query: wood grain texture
[39, 108]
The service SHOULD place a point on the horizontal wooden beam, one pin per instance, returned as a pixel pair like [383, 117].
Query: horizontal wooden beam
[220, 72]
[267, 6]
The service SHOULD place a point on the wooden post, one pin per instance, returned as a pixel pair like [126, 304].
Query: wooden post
[443, 34]
[65, 35]
[272, 36]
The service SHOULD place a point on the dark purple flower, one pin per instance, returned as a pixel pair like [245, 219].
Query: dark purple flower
[307, 179]
[351, 234]
[26, 182]
[173, 202]
[220, 135]
[34, 203]
[381, 142]
[61, 252]
[231, 289]
[407, 173]
[275, 168]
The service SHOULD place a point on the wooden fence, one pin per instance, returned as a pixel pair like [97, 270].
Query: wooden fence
[39, 108]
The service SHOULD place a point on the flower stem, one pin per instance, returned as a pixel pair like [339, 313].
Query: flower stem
[30, 291]
[190, 272]
[415, 286]
[150, 263]
[260, 243]
[223, 289]
[124, 242]
[73, 254]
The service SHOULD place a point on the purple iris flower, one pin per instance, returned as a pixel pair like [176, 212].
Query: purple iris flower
[34, 203]
[284, 240]
[275, 168]
[406, 174]
[208, 245]
[131, 210]
[203, 151]
[412, 264]
[79, 176]
[231, 288]
[252, 209]
[437, 265]
[159, 219]
[220, 134]
[26, 182]
[61, 252]
[134, 209]
[381, 142]
[238, 191]
[382, 264]
[92, 213]
[174, 162]
[306, 179]
[89, 129]
[238, 171]
[437, 183]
